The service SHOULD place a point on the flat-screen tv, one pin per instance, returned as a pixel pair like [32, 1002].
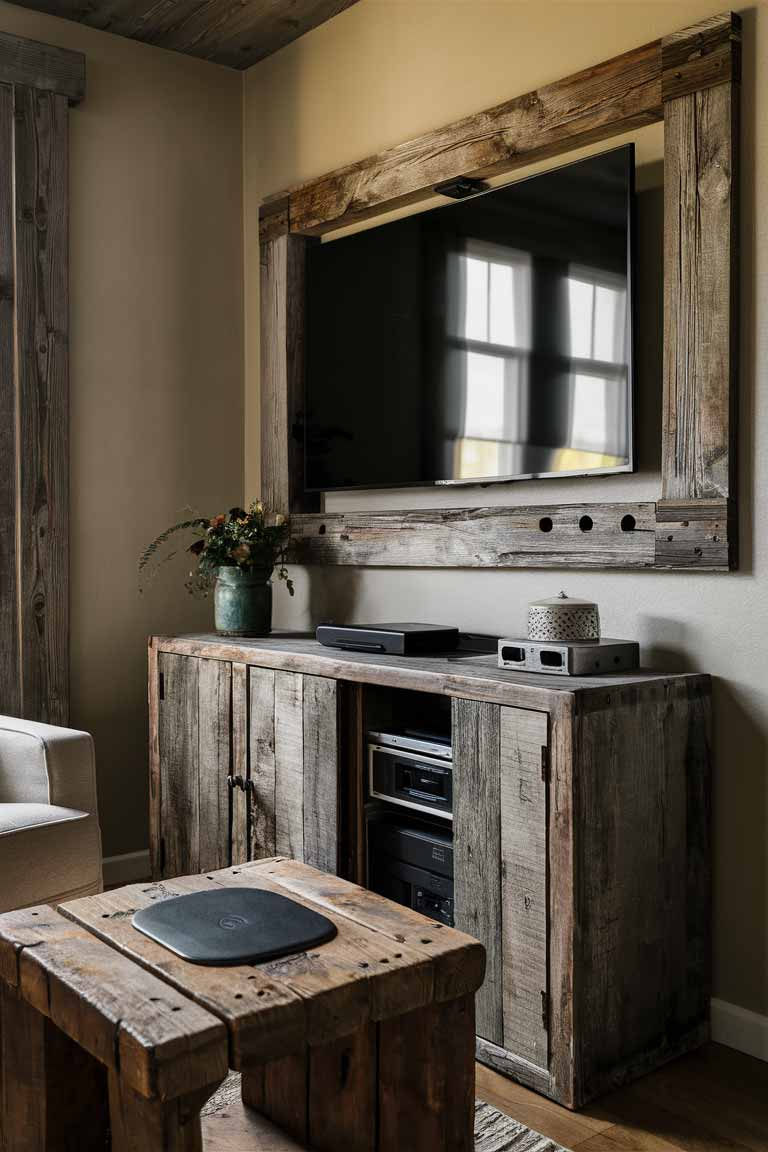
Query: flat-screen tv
[488, 339]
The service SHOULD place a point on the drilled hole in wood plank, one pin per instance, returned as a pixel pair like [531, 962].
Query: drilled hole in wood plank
[586, 523]
[628, 523]
[545, 524]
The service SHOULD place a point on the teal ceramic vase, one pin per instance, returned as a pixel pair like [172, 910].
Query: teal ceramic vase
[243, 601]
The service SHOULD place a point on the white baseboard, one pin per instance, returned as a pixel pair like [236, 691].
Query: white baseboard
[739, 1028]
[131, 868]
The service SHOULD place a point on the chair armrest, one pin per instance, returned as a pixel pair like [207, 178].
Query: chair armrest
[42, 764]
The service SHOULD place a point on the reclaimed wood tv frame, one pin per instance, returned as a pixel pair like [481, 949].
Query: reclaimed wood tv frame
[691, 81]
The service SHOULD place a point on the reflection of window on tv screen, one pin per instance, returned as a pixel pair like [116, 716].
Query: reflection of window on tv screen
[485, 340]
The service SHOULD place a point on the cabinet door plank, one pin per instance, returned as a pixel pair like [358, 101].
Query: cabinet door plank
[240, 840]
[289, 764]
[477, 847]
[321, 770]
[215, 728]
[524, 883]
[179, 765]
[262, 752]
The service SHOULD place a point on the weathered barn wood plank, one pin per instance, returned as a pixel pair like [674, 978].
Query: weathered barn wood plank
[42, 66]
[215, 731]
[321, 773]
[612, 97]
[178, 727]
[701, 56]
[544, 536]
[235, 33]
[477, 848]
[10, 672]
[289, 764]
[641, 807]
[524, 905]
[41, 167]
[262, 753]
[700, 534]
[240, 766]
[282, 375]
[700, 294]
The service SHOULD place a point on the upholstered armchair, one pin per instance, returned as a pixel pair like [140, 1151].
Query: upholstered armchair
[50, 843]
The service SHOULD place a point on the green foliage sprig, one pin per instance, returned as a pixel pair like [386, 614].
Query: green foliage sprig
[243, 539]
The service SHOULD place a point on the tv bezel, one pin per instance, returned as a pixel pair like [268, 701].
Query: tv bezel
[484, 481]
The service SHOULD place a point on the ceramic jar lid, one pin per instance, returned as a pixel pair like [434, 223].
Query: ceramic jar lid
[563, 617]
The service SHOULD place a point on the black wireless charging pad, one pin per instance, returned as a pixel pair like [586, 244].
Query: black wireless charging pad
[233, 926]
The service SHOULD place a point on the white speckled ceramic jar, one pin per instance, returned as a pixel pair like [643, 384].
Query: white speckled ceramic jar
[563, 617]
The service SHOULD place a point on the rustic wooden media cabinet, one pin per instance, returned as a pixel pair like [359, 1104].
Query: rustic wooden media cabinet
[581, 826]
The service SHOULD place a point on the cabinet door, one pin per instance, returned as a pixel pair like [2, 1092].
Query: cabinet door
[293, 767]
[500, 862]
[194, 761]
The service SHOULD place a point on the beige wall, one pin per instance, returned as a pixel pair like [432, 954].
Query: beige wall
[386, 70]
[156, 366]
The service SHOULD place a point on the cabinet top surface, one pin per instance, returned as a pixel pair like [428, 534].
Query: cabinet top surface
[455, 674]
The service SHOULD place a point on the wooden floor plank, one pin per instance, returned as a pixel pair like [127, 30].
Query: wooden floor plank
[567, 1128]
[712, 1100]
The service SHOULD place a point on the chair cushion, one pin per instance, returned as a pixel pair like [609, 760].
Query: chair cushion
[43, 764]
[46, 854]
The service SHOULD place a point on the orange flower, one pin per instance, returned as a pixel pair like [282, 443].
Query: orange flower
[217, 521]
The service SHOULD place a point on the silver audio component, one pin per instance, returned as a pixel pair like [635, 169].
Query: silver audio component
[570, 658]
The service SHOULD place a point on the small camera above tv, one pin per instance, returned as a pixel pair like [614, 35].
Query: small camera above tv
[486, 340]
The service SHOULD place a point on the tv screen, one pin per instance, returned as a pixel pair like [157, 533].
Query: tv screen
[489, 339]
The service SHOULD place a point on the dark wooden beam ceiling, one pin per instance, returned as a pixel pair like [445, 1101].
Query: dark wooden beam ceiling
[237, 33]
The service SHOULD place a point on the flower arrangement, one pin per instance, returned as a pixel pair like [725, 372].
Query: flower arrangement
[252, 539]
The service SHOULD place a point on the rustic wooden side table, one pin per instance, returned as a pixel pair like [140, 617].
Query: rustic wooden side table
[365, 1043]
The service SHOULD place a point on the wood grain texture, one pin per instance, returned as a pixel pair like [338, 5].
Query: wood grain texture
[178, 728]
[215, 732]
[53, 1094]
[235, 33]
[41, 169]
[700, 301]
[10, 674]
[321, 773]
[342, 1096]
[427, 1079]
[240, 767]
[42, 66]
[282, 375]
[261, 682]
[641, 804]
[563, 861]
[278, 1089]
[509, 1064]
[263, 1017]
[276, 1008]
[457, 960]
[126, 1018]
[457, 675]
[477, 848]
[701, 56]
[612, 97]
[141, 1125]
[697, 534]
[289, 764]
[479, 537]
[524, 896]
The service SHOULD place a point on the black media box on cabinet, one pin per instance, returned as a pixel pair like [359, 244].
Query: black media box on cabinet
[392, 639]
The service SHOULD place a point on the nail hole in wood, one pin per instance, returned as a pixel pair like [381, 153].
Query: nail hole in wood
[545, 524]
[585, 523]
[628, 523]
[321, 530]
